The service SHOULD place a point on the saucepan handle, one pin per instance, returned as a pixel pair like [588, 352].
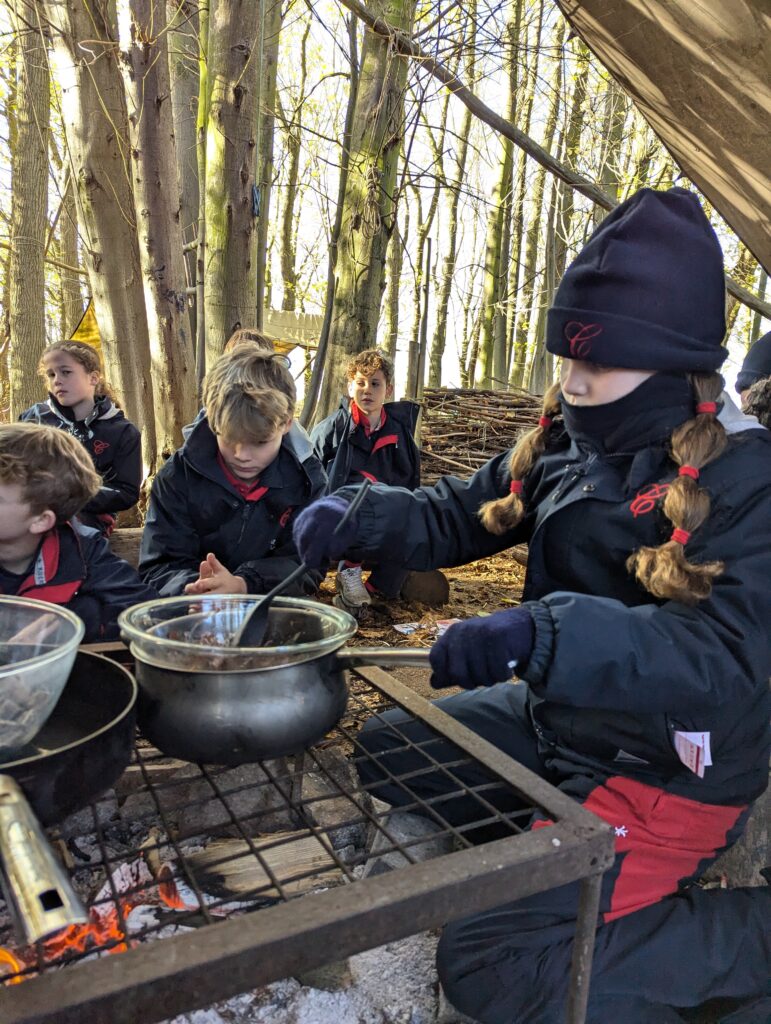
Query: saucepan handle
[37, 889]
[387, 657]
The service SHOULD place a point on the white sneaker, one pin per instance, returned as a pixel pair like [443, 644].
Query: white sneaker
[352, 594]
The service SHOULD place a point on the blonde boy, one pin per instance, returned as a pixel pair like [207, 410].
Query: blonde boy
[221, 508]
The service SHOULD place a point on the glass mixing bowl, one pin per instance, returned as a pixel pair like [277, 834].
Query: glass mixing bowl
[193, 634]
[38, 644]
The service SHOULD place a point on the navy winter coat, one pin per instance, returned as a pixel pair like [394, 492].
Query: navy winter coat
[194, 509]
[112, 441]
[615, 672]
[388, 454]
[74, 567]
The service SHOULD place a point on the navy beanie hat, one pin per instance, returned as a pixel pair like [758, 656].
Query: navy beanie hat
[757, 363]
[647, 291]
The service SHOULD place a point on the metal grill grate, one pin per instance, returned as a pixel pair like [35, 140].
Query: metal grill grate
[277, 854]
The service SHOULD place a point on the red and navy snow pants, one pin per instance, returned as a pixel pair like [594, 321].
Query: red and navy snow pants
[660, 944]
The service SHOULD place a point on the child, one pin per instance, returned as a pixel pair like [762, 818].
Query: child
[220, 510]
[756, 366]
[46, 477]
[369, 436]
[79, 402]
[249, 335]
[642, 645]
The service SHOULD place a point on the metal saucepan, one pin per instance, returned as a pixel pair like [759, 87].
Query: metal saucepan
[205, 701]
[80, 752]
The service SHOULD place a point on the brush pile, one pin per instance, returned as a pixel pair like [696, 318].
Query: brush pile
[462, 428]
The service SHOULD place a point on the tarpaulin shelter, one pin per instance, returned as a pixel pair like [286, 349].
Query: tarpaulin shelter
[700, 73]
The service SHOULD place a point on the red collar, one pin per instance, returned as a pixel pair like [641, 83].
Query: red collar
[248, 491]
[361, 419]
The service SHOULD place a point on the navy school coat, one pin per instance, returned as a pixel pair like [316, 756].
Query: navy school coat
[74, 567]
[113, 443]
[615, 673]
[388, 455]
[194, 510]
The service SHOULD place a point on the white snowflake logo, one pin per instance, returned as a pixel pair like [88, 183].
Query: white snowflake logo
[621, 831]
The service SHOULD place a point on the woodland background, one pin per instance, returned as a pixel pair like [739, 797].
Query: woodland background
[192, 167]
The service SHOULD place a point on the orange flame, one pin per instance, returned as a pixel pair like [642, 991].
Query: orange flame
[103, 929]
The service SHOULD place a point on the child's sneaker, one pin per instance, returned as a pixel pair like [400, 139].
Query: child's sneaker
[352, 594]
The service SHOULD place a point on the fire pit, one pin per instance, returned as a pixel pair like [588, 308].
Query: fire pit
[203, 882]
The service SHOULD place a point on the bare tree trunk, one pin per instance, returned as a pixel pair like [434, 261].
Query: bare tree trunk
[517, 355]
[96, 124]
[395, 263]
[311, 404]
[530, 269]
[29, 213]
[201, 125]
[293, 127]
[273, 20]
[493, 373]
[184, 73]
[612, 137]
[9, 112]
[156, 192]
[570, 157]
[231, 236]
[369, 208]
[71, 295]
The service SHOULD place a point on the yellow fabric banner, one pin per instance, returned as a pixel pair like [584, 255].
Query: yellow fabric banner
[88, 329]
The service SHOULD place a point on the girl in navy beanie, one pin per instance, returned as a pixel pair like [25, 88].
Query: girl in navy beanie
[641, 646]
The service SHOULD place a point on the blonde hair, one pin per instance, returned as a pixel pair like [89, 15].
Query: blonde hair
[370, 361]
[664, 571]
[249, 394]
[51, 466]
[86, 355]
[502, 515]
[250, 335]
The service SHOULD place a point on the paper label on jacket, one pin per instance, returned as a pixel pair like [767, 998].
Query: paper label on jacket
[694, 751]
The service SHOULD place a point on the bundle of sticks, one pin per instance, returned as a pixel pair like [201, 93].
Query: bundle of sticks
[462, 428]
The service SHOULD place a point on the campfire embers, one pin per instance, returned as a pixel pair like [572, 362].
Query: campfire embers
[119, 908]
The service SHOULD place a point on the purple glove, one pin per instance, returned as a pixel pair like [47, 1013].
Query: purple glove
[314, 531]
[483, 651]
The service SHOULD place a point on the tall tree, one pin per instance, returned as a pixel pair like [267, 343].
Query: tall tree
[369, 212]
[518, 309]
[493, 337]
[293, 127]
[231, 185]
[67, 249]
[455, 188]
[274, 14]
[530, 262]
[154, 163]
[96, 125]
[29, 184]
[185, 83]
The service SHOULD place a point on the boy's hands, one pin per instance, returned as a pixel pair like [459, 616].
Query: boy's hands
[214, 578]
[484, 650]
[314, 531]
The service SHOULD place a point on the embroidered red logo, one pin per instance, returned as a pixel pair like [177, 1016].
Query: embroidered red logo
[285, 516]
[100, 446]
[646, 500]
[579, 337]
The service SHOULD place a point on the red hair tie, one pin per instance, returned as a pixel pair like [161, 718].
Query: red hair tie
[545, 421]
[690, 471]
[707, 407]
[515, 487]
[680, 536]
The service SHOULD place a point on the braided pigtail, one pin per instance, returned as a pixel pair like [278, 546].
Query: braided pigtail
[503, 514]
[665, 571]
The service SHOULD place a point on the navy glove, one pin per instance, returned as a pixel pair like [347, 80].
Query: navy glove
[483, 651]
[314, 531]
